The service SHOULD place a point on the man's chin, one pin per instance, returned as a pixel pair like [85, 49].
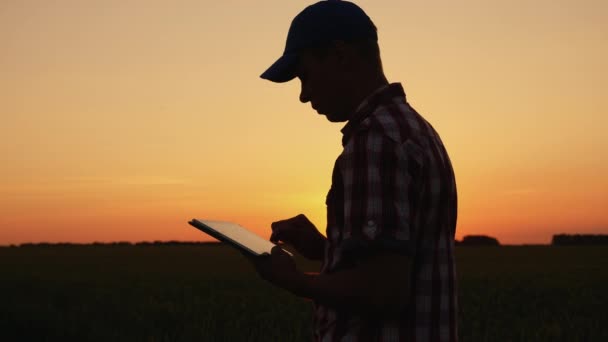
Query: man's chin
[331, 118]
[334, 118]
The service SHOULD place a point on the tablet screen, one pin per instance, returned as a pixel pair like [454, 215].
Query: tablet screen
[235, 234]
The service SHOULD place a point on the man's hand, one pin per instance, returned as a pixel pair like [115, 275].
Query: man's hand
[278, 268]
[299, 232]
[377, 286]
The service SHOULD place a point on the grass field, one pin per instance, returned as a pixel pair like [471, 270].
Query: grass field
[210, 293]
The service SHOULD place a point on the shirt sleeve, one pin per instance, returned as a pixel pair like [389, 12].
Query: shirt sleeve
[377, 183]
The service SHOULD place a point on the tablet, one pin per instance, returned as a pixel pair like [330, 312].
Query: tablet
[236, 236]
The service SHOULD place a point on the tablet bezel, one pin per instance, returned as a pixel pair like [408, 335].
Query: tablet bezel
[223, 238]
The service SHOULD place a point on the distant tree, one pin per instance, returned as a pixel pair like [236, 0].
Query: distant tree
[579, 239]
[479, 240]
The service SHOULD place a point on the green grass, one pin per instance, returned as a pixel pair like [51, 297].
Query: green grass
[210, 293]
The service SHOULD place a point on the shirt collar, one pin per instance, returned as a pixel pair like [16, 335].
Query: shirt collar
[382, 95]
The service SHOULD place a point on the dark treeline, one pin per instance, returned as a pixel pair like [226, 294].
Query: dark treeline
[467, 240]
[579, 239]
[116, 244]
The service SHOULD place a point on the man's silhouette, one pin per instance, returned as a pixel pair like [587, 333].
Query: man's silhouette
[388, 271]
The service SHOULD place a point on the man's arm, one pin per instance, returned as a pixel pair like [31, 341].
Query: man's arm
[375, 183]
[380, 285]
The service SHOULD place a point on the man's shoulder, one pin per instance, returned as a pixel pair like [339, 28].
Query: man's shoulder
[396, 126]
[395, 120]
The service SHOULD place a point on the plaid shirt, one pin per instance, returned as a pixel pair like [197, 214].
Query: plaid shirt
[393, 189]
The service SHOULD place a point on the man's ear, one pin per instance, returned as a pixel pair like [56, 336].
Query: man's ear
[338, 51]
[343, 55]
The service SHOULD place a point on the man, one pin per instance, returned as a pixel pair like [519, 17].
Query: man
[388, 270]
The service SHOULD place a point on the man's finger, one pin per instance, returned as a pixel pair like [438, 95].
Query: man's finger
[279, 231]
[275, 250]
[274, 238]
[279, 235]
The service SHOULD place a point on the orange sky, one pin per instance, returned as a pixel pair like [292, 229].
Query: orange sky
[122, 120]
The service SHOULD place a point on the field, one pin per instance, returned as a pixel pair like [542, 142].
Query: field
[210, 293]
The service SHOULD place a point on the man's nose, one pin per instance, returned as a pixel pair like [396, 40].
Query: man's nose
[304, 95]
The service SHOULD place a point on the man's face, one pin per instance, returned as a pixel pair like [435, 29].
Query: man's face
[323, 85]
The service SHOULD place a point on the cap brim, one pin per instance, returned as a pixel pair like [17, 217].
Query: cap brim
[283, 70]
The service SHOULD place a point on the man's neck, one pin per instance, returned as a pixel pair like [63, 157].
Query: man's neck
[367, 87]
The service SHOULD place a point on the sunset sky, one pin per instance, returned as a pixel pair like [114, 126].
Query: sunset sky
[124, 119]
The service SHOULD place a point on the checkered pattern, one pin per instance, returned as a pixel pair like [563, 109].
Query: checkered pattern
[393, 189]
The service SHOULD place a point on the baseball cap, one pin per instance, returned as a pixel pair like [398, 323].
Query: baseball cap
[319, 25]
